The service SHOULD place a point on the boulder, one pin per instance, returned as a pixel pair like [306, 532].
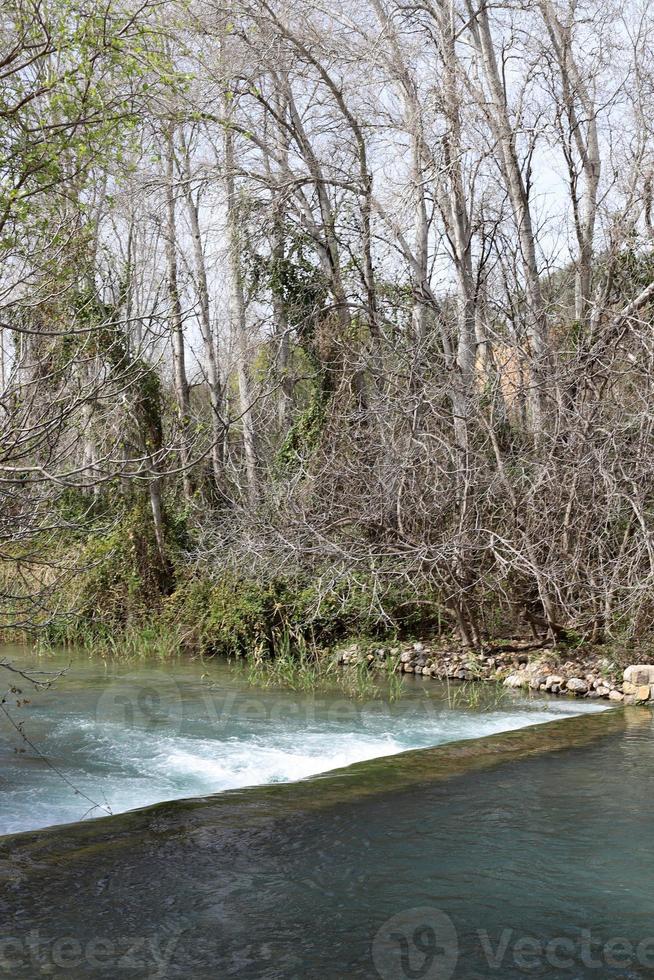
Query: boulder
[406, 657]
[642, 693]
[616, 696]
[553, 680]
[577, 686]
[518, 679]
[640, 674]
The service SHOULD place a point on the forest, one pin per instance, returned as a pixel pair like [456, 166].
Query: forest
[321, 320]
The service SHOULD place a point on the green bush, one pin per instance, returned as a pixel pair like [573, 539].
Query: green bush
[239, 616]
[122, 581]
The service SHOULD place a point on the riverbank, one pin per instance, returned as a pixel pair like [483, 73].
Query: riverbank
[292, 626]
[518, 664]
[295, 629]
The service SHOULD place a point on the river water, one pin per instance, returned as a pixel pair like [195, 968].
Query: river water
[111, 736]
[524, 854]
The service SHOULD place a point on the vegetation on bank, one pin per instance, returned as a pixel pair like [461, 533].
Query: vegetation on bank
[122, 600]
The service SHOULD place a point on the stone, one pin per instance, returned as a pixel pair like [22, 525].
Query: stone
[418, 647]
[629, 688]
[640, 674]
[518, 679]
[603, 690]
[616, 696]
[553, 680]
[406, 657]
[426, 671]
[537, 683]
[577, 686]
[642, 693]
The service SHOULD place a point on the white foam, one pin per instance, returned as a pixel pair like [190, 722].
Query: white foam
[229, 766]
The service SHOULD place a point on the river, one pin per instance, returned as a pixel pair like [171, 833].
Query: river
[508, 855]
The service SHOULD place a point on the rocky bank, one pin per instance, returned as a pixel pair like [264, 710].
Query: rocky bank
[520, 664]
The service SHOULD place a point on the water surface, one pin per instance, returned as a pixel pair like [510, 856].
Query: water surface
[516, 855]
[111, 736]
[512, 855]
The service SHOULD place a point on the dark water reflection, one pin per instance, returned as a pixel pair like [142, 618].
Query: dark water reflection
[541, 866]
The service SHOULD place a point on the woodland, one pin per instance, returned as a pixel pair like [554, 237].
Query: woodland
[321, 320]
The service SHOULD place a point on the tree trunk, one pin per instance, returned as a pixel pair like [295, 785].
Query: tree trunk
[208, 339]
[176, 320]
[238, 321]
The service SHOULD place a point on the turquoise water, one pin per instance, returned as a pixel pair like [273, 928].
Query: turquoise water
[109, 737]
[519, 855]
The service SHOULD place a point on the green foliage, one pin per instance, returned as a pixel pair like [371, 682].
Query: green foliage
[303, 437]
[122, 584]
[139, 641]
[244, 617]
[633, 270]
[77, 508]
[233, 617]
[74, 85]
[296, 281]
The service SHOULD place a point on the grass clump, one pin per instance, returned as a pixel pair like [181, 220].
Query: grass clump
[297, 666]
